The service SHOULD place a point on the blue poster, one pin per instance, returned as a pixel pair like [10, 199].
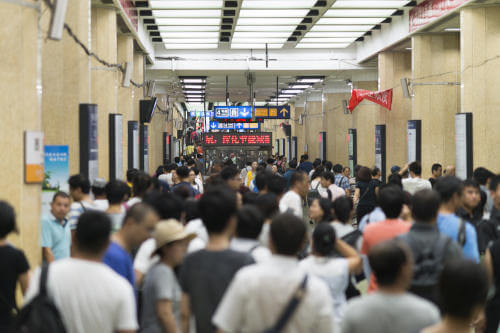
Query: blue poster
[56, 170]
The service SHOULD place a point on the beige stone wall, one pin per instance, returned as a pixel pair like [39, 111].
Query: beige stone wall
[392, 67]
[480, 29]
[337, 126]
[436, 58]
[21, 111]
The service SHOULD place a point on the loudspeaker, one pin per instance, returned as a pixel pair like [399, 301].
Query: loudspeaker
[57, 19]
[405, 87]
[127, 74]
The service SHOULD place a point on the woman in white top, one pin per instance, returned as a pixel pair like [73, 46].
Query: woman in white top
[334, 271]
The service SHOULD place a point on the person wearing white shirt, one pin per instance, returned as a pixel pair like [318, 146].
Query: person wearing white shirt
[259, 293]
[89, 295]
[248, 229]
[328, 184]
[333, 270]
[415, 183]
[292, 200]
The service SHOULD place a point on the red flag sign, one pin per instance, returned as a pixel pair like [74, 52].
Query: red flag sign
[383, 98]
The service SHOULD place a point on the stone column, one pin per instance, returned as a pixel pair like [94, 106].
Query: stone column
[480, 46]
[436, 59]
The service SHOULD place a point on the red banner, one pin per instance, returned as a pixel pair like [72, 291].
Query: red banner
[383, 98]
[429, 10]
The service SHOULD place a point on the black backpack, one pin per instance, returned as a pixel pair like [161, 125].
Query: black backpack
[428, 264]
[313, 194]
[41, 314]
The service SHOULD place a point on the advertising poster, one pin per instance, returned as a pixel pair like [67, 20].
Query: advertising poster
[380, 149]
[352, 149]
[463, 145]
[56, 174]
[414, 140]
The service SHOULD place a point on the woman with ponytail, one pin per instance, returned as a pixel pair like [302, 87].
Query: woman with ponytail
[333, 270]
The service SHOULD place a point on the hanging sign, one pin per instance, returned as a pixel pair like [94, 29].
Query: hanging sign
[430, 10]
[272, 112]
[383, 98]
[232, 112]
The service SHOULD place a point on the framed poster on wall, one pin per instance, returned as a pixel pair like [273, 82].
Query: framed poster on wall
[167, 148]
[115, 146]
[277, 147]
[133, 145]
[380, 149]
[144, 147]
[294, 147]
[352, 149]
[33, 157]
[322, 145]
[463, 145]
[289, 148]
[414, 140]
[282, 147]
[89, 165]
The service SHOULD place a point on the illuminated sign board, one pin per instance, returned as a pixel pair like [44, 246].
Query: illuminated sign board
[206, 114]
[215, 125]
[232, 112]
[238, 139]
[272, 112]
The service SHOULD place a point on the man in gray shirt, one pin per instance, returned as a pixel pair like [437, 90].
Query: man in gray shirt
[391, 309]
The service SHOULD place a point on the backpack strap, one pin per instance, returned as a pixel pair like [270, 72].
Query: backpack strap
[43, 280]
[292, 305]
[461, 233]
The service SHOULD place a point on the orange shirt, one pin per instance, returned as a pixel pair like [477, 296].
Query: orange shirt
[375, 233]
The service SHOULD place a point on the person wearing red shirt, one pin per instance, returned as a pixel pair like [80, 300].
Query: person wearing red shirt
[391, 200]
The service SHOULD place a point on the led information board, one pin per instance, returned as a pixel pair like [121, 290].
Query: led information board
[238, 139]
[234, 112]
[215, 125]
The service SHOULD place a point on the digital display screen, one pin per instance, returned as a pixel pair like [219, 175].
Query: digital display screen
[237, 139]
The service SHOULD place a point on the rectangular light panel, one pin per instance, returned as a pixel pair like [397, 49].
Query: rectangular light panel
[255, 46]
[351, 20]
[191, 46]
[340, 28]
[188, 21]
[328, 40]
[275, 28]
[259, 40]
[322, 45]
[187, 13]
[180, 4]
[269, 21]
[190, 40]
[261, 34]
[285, 4]
[369, 4]
[184, 28]
[190, 34]
[299, 86]
[359, 13]
[273, 13]
[328, 34]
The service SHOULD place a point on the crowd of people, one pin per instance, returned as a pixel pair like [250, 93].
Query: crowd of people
[301, 247]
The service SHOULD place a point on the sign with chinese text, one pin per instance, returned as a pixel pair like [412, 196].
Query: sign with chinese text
[383, 98]
[237, 139]
[215, 125]
[430, 10]
[272, 112]
[232, 112]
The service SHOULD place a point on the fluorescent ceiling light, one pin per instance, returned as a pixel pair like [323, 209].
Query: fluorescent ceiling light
[191, 46]
[322, 45]
[452, 29]
[351, 20]
[292, 91]
[335, 34]
[194, 91]
[273, 28]
[285, 95]
[310, 80]
[190, 34]
[187, 28]
[180, 4]
[187, 13]
[195, 96]
[255, 46]
[259, 40]
[185, 80]
[269, 21]
[193, 86]
[340, 28]
[359, 13]
[262, 34]
[369, 4]
[285, 4]
[273, 13]
[301, 85]
[328, 40]
[188, 21]
[190, 40]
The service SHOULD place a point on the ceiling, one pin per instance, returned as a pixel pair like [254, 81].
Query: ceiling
[253, 24]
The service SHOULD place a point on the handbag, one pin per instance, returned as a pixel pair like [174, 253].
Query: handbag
[289, 310]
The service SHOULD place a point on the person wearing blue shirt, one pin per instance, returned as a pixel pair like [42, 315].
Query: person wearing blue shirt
[56, 234]
[450, 190]
[288, 174]
[138, 225]
[305, 165]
